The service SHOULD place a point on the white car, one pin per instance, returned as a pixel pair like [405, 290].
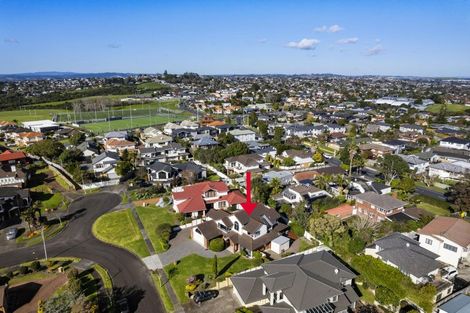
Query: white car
[450, 272]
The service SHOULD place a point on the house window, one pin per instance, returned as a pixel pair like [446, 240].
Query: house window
[333, 299]
[236, 226]
[211, 194]
[450, 247]
[281, 295]
[198, 231]
[428, 241]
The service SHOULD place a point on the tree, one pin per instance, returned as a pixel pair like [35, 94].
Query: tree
[217, 245]
[288, 161]
[460, 195]
[123, 167]
[392, 166]
[318, 157]
[252, 119]
[30, 214]
[48, 148]
[386, 296]
[263, 129]
[70, 156]
[278, 133]
[261, 190]
[300, 215]
[351, 156]
[215, 270]
[77, 138]
[407, 184]
[275, 185]
[326, 228]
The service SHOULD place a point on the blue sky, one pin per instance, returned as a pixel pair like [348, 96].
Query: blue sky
[427, 38]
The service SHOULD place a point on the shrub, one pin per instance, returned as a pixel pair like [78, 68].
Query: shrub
[72, 274]
[164, 231]
[36, 266]
[10, 274]
[356, 245]
[24, 270]
[386, 296]
[190, 287]
[297, 229]
[217, 245]
[243, 310]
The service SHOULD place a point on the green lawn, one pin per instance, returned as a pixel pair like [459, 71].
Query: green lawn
[150, 86]
[120, 228]
[435, 188]
[151, 217]
[453, 108]
[20, 279]
[163, 293]
[198, 265]
[367, 295]
[101, 127]
[50, 232]
[23, 115]
[434, 209]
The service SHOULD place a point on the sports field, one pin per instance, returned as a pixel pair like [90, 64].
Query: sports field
[452, 108]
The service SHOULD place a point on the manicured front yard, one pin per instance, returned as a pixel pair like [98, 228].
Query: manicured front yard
[30, 239]
[434, 209]
[120, 228]
[163, 293]
[201, 266]
[151, 217]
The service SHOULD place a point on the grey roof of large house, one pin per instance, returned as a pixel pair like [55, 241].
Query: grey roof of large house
[8, 192]
[205, 141]
[459, 304]
[160, 166]
[307, 281]
[456, 140]
[252, 159]
[449, 167]
[209, 230]
[407, 255]
[189, 166]
[385, 202]
[411, 159]
[104, 155]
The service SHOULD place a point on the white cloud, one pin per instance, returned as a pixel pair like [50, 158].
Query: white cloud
[375, 50]
[348, 41]
[11, 41]
[335, 28]
[331, 29]
[114, 45]
[304, 44]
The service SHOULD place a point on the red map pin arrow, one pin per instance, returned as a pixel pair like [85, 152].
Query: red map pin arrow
[248, 206]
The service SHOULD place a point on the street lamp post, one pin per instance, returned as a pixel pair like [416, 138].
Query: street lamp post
[44, 242]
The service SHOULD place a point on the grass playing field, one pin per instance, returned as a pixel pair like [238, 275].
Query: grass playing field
[452, 108]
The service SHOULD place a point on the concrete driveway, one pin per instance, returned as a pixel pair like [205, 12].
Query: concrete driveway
[225, 302]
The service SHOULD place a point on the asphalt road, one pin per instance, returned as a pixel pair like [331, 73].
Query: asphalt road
[430, 193]
[130, 276]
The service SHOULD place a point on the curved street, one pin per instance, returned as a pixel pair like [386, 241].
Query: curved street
[130, 276]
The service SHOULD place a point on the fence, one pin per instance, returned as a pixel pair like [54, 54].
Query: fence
[100, 184]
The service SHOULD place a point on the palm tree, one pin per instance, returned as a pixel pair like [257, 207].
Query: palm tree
[276, 185]
[321, 182]
[30, 214]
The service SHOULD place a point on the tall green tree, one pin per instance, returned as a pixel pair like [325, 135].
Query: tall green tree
[392, 167]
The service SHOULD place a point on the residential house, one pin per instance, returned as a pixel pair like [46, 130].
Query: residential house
[377, 207]
[41, 126]
[119, 135]
[243, 135]
[300, 193]
[301, 157]
[17, 178]
[406, 254]
[157, 140]
[245, 162]
[302, 131]
[397, 145]
[408, 128]
[205, 142]
[335, 128]
[415, 164]
[455, 170]
[448, 237]
[89, 149]
[458, 304]
[284, 177]
[195, 200]
[10, 160]
[343, 211]
[171, 152]
[239, 230]
[302, 283]
[119, 145]
[12, 201]
[105, 164]
[455, 143]
[27, 138]
[161, 173]
[377, 150]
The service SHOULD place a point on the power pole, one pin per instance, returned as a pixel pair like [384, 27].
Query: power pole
[44, 242]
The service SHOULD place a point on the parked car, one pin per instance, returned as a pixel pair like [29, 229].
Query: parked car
[123, 306]
[11, 234]
[450, 272]
[201, 296]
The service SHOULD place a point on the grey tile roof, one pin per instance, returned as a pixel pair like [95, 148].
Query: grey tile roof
[407, 255]
[385, 202]
[307, 280]
[459, 304]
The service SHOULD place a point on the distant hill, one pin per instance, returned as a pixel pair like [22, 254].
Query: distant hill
[59, 75]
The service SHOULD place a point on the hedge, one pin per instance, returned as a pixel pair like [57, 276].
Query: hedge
[217, 245]
[377, 273]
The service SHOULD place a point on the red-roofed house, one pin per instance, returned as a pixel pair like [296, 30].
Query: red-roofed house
[9, 159]
[195, 200]
[343, 211]
[119, 145]
[27, 138]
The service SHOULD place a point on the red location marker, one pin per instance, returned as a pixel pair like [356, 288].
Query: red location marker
[248, 206]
